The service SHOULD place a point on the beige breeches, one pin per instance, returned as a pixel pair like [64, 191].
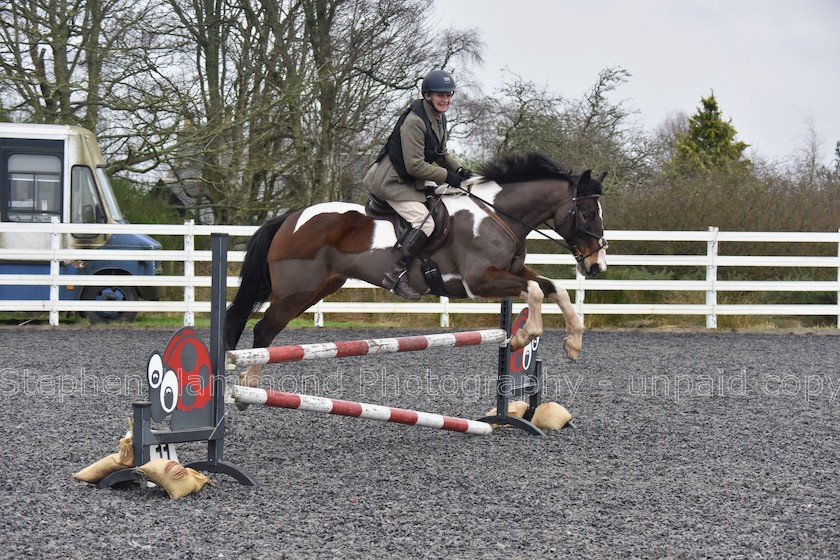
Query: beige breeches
[414, 213]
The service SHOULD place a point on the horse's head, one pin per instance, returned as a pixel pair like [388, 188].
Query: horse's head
[581, 224]
[578, 219]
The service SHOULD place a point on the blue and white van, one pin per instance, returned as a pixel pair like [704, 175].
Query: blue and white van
[57, 172]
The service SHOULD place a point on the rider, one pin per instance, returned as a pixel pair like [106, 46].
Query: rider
[416, 153]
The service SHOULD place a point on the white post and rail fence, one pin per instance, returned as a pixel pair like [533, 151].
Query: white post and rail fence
[187, 280]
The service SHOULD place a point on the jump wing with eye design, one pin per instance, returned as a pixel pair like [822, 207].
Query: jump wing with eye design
[180, 382]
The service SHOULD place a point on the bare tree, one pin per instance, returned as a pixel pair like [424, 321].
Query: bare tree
[524, 117]
[808, 160]
[291, 97]
[87, 63]
[666, 135]
[251, 105]
[837, 157]
[589, 132]
[367, 59]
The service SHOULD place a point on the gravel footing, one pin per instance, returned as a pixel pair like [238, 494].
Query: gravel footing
[685, 446]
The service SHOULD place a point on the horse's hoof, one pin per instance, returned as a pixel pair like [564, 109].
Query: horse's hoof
[519, 340]
[249, 379]
[242, 406]
[571, 351]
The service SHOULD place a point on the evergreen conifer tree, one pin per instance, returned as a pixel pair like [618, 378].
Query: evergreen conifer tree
[709, 143]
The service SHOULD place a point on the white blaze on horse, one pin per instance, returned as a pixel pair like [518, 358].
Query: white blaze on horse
[295, 260]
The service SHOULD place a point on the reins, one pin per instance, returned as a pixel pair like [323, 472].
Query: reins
[494, 216]
[573, 210]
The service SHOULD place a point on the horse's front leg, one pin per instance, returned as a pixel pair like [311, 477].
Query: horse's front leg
[533, 326]
[574, 327]
[495, 283]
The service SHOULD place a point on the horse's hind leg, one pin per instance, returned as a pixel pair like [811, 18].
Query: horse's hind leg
[274, 320]
[280, 311]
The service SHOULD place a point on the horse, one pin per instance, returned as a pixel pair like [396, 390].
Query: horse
[296, 259]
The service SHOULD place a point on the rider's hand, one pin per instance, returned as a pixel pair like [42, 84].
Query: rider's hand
[464, 173]
[453, 179]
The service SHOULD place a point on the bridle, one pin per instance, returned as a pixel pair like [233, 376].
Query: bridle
[577, 230]
[576, 252]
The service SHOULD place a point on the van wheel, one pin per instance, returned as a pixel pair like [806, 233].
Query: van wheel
[112, 293]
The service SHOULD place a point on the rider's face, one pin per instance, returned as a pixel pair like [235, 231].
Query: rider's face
[441, 100]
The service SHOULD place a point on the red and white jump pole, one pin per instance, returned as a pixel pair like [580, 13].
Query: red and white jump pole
[281, 399]
[278, 354]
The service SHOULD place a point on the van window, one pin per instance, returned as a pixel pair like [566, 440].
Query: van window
[34, 187]
[108, 194]
[85, 206]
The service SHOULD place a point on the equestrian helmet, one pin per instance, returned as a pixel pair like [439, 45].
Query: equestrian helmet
[438, 80]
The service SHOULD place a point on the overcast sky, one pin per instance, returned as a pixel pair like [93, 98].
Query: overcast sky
[774, 65]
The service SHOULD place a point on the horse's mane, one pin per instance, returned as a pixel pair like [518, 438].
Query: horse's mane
[516, 168]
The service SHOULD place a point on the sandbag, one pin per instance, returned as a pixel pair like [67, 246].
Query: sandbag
[112, 463]
[127, 450]
[550, 416]
[176, 479]
[515, 408]
[100, 469]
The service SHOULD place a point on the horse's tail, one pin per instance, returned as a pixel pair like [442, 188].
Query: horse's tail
[255, 287]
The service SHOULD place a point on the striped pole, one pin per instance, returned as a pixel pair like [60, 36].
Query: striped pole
[281, 399]
[278, 354]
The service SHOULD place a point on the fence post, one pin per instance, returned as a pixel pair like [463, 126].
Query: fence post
[55, 269]
[189, 273]
[319, 314]
[444, 316]
[580, 293]
[711, 278]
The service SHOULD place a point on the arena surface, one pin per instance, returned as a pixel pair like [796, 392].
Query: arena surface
[685, 446]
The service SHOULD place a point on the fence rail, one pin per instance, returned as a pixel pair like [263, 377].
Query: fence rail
[711, 261]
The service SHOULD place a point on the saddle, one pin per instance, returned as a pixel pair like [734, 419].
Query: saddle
[379, 209]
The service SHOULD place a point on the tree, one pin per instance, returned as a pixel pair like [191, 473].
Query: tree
[290, 98]
[709, 143]
[521, 116]
[252, 105]
[666, 136]
[837, 157]
[604, 137]
[92, 63]
[366, 57]
[591, 132]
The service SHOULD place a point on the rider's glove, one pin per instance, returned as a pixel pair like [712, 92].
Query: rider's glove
[464, 173]
[453, 179]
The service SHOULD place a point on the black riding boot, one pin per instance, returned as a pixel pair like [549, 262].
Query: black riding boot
[411, 247]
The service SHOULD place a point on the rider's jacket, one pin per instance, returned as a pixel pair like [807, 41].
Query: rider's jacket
[416, 151]
[433, 151]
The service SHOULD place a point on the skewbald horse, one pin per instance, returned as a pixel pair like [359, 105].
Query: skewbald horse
[298, 258]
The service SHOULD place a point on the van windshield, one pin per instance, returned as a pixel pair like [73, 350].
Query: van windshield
[108, 192]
